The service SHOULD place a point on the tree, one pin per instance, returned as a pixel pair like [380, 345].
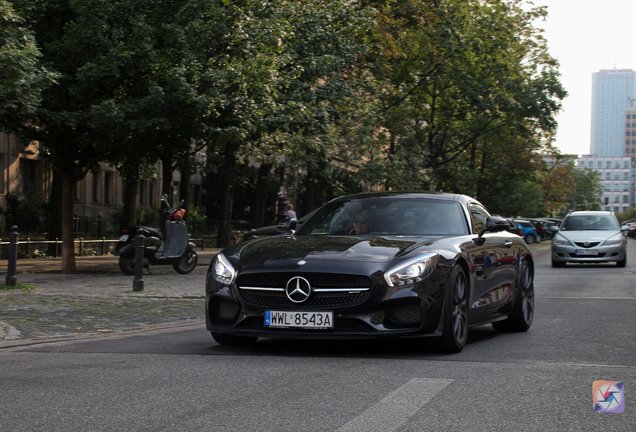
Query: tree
[124, 94]
[586, 192]
[22, 77]
[453, 77]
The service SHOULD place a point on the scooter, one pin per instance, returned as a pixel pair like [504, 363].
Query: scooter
[172, 246]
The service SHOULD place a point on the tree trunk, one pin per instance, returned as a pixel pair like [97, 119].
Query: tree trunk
[260, 206]
[166, 180]
[185, 187]
[392, 150]
[309, 203]
[129, 212]
[227, 195]
[54, 219]
[479, 190]
[68, 246]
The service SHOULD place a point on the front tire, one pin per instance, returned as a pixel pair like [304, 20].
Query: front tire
[621, 263]
[232, 340]
[529, 239]
[187, 262]
[127, 264]
[522, 314]
[455, 333]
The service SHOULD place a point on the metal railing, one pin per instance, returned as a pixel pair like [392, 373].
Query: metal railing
[83, 247]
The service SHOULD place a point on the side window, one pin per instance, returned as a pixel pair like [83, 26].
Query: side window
[478, 216]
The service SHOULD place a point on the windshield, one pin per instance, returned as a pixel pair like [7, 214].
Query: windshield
[388, 216]
[590, 223]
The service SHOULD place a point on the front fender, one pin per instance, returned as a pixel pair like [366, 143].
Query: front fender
[125, 250]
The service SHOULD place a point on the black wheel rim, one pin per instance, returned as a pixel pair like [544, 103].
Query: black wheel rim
[188, 260]
[129, 264]
[527, 295]
[459, 309]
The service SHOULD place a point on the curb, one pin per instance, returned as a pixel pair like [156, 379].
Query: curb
[21, 344]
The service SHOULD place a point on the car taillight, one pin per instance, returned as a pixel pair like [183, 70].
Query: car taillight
[124, 231]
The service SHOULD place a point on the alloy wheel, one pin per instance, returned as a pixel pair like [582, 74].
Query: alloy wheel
[527, 295]
[459, 309]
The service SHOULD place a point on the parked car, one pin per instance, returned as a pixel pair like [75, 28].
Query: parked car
[513, 228]
[376, 265]
[555, 221]
[589, 237]
[629, 229]
[541, 228]
[528, 231]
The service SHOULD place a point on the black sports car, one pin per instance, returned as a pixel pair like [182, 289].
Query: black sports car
[376, 265]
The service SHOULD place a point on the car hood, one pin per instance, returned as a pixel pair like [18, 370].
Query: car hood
[588, 236]
[322, 253]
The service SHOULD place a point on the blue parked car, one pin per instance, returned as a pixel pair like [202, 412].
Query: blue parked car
[528, 231]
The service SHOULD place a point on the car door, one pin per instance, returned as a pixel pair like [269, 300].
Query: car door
[494, 267]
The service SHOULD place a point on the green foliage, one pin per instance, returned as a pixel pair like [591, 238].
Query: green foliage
[626, 215]
[18, 286]
[459, 80]
[31, 214]
[148, 216]
[455, 95]
[22, 76]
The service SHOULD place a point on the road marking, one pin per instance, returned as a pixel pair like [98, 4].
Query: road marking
[395, 409]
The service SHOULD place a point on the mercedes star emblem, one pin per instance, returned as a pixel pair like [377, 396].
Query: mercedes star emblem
[298, 289]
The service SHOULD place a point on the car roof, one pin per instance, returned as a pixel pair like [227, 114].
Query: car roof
[590, 212]
[434, 195]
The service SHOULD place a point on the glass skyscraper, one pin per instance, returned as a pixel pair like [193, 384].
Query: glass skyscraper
[613, 93]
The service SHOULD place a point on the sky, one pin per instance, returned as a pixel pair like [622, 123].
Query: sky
[586, 36]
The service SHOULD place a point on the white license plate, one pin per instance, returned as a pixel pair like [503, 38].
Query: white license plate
[124, 238]
[587, 252]
[304, 320]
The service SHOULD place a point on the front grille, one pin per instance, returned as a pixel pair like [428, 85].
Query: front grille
[317, 280]
[588, 245]
[317, 300]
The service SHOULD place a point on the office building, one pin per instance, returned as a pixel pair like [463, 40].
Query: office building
[613, 92]
[616, 176]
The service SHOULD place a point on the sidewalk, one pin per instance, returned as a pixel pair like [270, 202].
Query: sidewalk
[98, 299]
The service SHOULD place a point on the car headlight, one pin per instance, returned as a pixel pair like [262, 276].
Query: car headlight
[560, 241]
[614, 240]
[222, 270]
[411, 271]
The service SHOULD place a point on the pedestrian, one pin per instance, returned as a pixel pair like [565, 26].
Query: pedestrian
[291, 214]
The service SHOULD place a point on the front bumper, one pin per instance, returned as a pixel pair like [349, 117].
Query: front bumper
[384, 312]
[574, 254]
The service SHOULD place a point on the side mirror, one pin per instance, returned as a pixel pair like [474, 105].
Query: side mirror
[495, 224]
[292, 224]
[553, 228]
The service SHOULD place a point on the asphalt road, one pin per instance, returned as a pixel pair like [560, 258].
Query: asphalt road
[179, 379]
